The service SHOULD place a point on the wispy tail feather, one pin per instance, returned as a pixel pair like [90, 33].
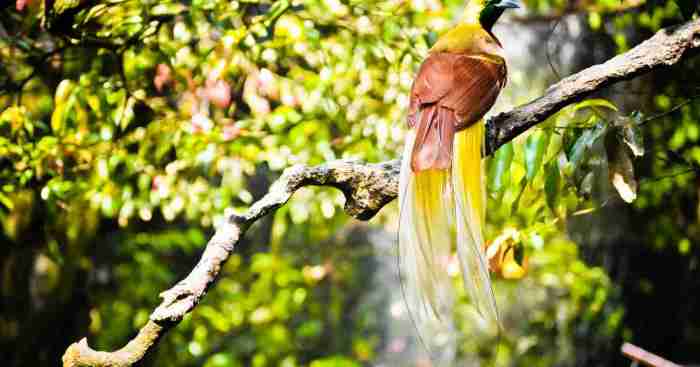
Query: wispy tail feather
[425, 244]
[470, 204]
[439, 207]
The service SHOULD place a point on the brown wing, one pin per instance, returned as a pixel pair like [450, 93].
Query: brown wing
[434, 80]
[477, 82]
[451, 92]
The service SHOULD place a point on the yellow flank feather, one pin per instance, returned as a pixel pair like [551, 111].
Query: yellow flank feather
[470, 205]
[425, 246]
[468, 165]
[431, 187]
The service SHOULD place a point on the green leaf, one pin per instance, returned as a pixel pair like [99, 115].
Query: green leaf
[595, 102]
[47, 144]
[535, 148]
[220, 360]
[519, 254]
[586, 185]
[63, 91]
[521, 190]
[310, 329]
[551, 185]
[585, 142]
[6, 202]
[632, 135]
[62, 104]
[499, 169]
[335, 361]
[54, 252]
[61, 6]
[168, 9]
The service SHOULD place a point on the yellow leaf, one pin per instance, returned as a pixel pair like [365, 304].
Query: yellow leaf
[63, 91]
[57, 118]
[511, 269]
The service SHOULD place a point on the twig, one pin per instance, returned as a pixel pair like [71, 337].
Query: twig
[640, 355]
[670, 175]
[546, 49]
[672, 110]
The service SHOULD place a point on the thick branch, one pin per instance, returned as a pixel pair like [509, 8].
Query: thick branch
[368, 187]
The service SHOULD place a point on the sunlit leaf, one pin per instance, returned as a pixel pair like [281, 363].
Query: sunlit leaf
[621, 170]
[586, 185]
[61, 104]
[6, 202]
[514, 265]
[54, 252]
[535, 148]
[168, 9]
[595, 102]
[499, 168]
[521, 190]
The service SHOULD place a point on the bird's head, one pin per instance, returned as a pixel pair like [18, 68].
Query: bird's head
[487, 12]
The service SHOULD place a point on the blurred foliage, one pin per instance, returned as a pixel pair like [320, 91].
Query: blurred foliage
[128, 127]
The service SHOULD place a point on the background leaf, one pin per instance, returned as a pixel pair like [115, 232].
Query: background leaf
[535, 148]
[552, 185]
[499, 168]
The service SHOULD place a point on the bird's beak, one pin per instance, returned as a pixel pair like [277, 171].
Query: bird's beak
[509, 4]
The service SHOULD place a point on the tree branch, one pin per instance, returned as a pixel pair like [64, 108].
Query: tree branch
[638, 354]
[368, 187]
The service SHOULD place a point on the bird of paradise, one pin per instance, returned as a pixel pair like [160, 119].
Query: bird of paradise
[442, 188]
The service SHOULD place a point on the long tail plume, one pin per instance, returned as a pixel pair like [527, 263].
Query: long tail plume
[470, 203]
[439, 207]
[425, 243]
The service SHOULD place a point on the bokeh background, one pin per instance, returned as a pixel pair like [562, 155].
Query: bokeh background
[128, 127]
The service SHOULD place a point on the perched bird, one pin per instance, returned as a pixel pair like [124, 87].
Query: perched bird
[442, 195]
